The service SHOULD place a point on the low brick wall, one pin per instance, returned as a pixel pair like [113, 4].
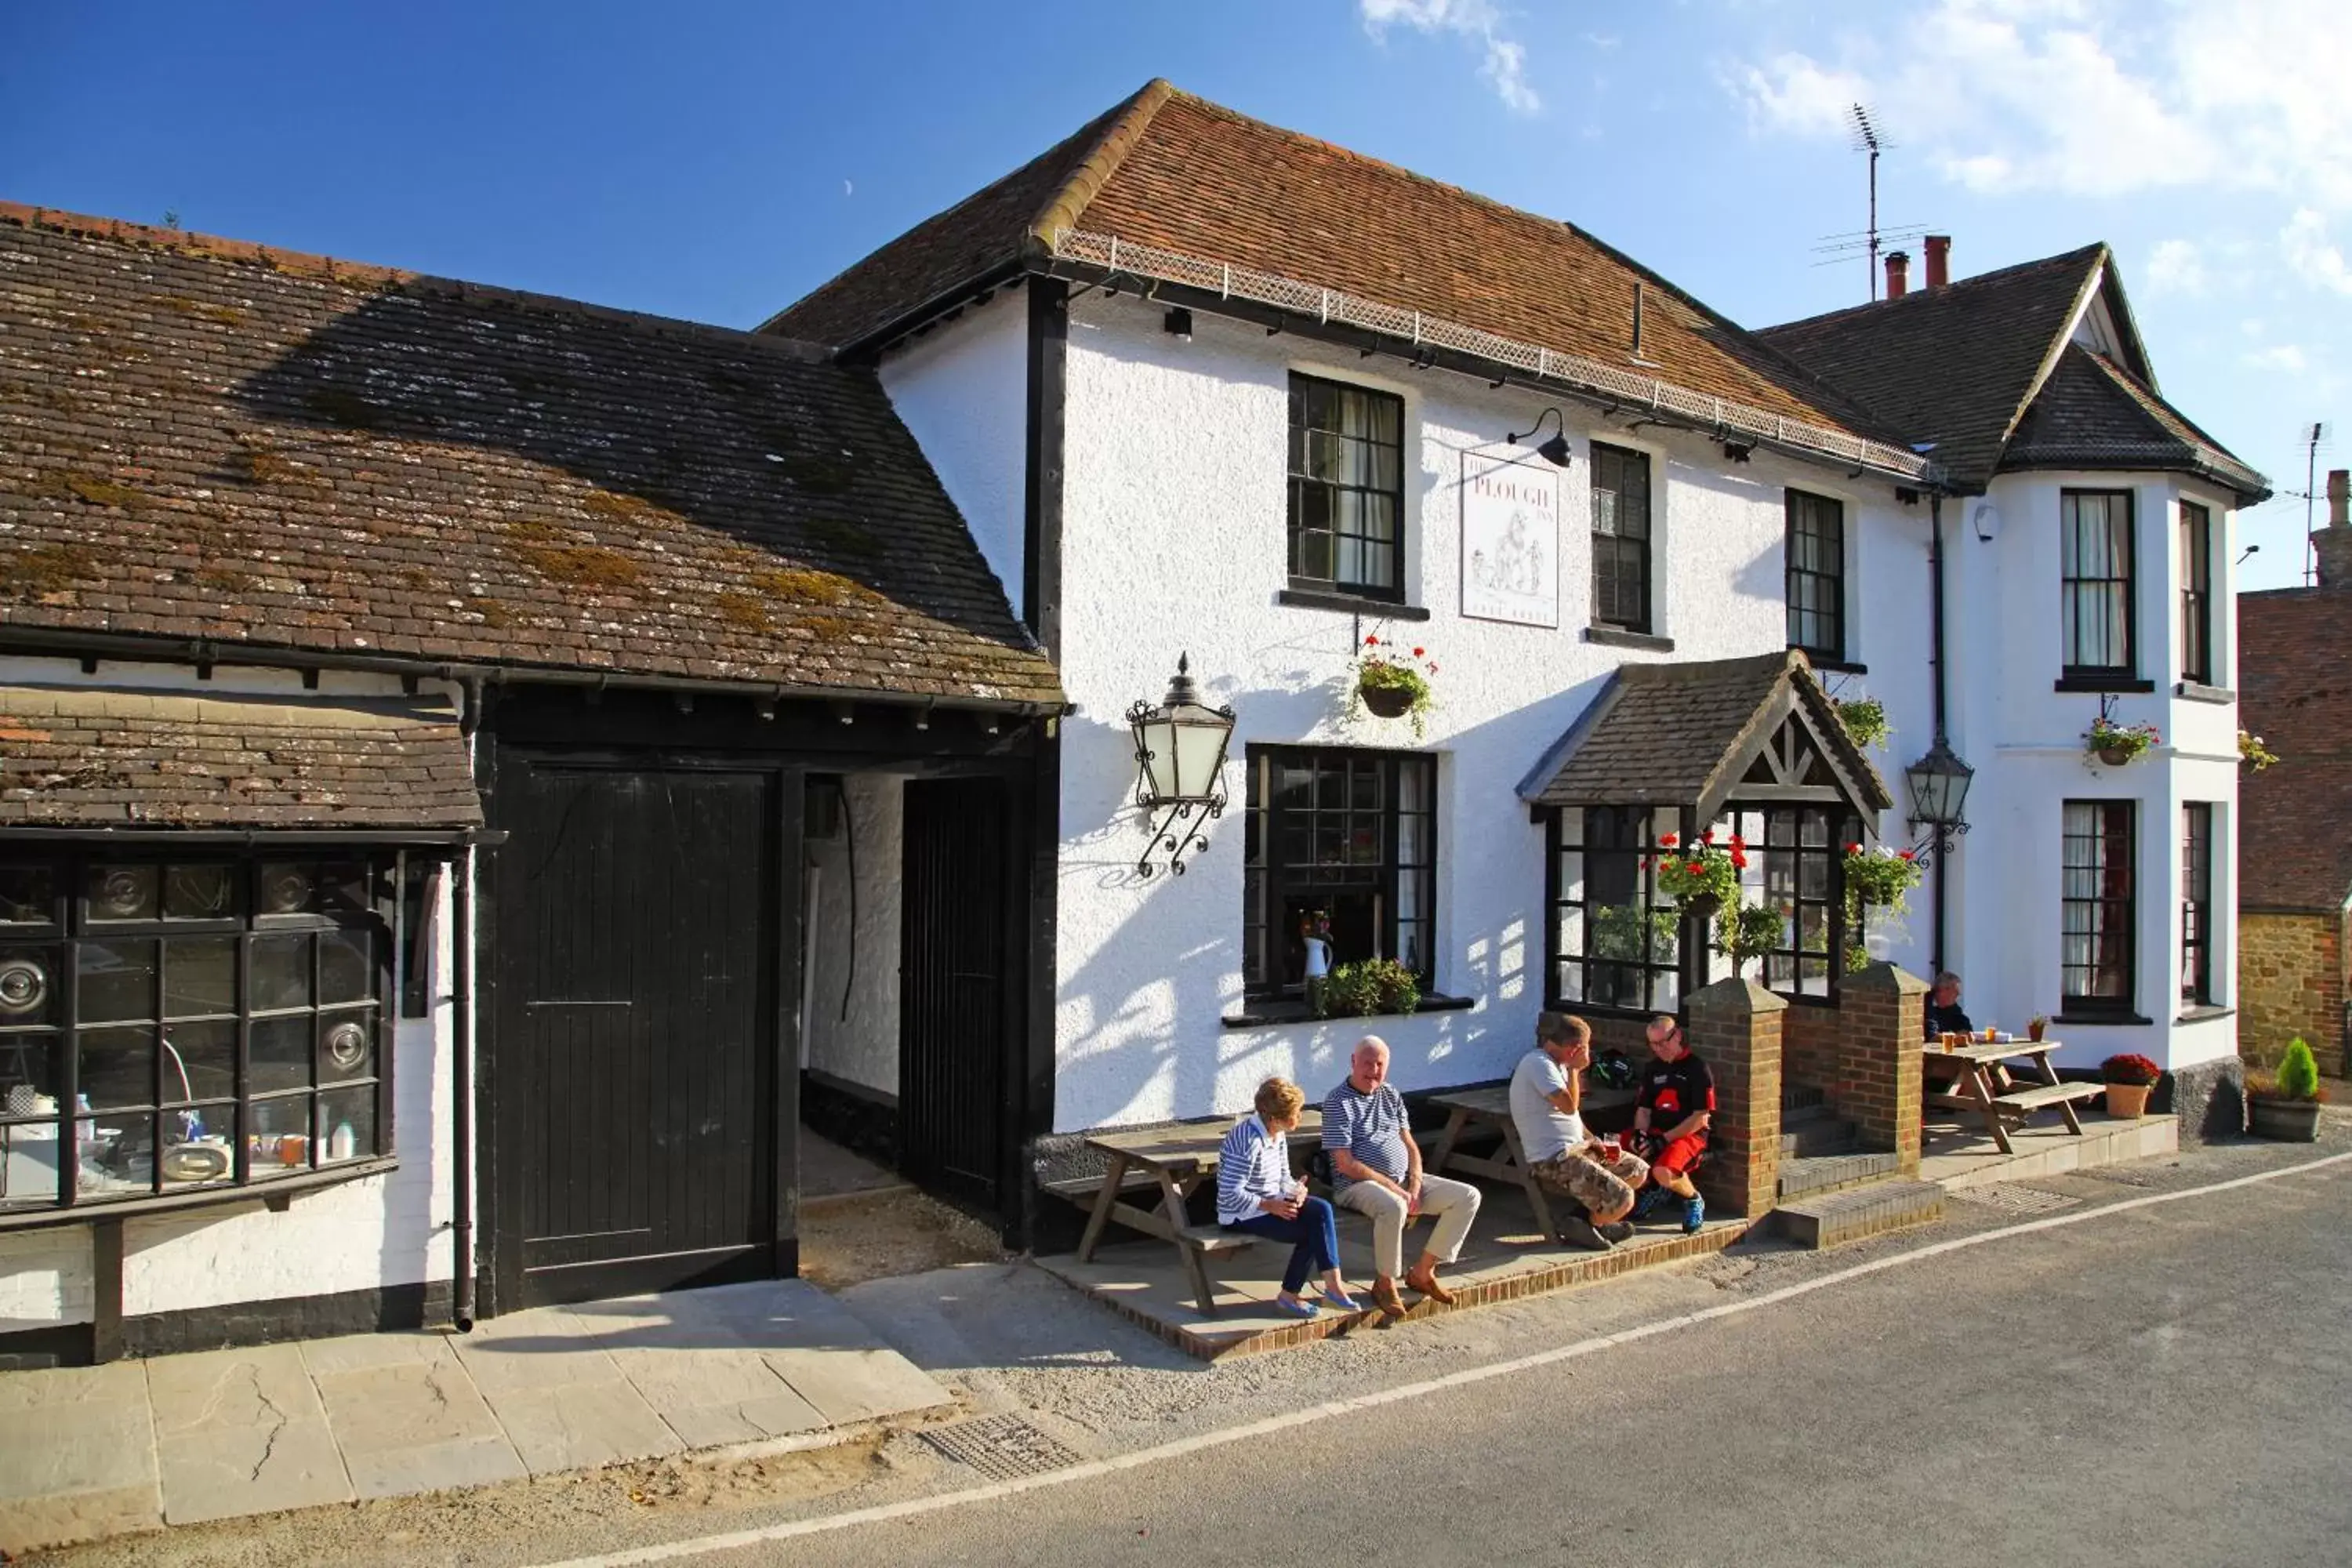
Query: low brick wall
[1735, 1028]
[2292, 979]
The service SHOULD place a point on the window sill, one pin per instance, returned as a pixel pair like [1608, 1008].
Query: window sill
[1612, 637]
[1292, 1010]
[2204, 1014]
[2198, 692]
[274, 1193]
[2117, 682]
[1836, 666]
[2103, 1020]
[1350, 603]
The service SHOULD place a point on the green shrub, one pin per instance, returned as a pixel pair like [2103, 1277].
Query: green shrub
[2298, 1074]
[1367, 987]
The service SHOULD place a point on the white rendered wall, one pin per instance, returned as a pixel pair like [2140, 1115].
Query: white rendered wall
[962, 389]
[1173, 541]
[376, 1231]
[853, 1005]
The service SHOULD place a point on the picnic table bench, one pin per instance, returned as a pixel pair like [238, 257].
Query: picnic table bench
[1965, 1073]
[1491, 1107]
[1171, 1162]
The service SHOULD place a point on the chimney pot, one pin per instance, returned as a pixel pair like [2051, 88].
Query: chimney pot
[1939, 261]
[2339, 498]
[2333, 544]
[1898, 274]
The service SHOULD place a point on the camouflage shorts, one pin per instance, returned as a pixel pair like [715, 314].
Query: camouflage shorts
[1601, 1186]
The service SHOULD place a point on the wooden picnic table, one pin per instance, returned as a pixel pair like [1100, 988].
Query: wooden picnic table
[1172, 1161]
[1966, 1072]
[1491, 1107]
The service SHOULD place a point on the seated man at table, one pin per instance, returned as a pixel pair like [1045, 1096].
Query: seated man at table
[1671, 1119]
[1945, 1017]
[1376, 1170]
[1547, 1109]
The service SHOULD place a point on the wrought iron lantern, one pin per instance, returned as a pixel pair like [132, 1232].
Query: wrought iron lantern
[1180, 762]
[1938, 783]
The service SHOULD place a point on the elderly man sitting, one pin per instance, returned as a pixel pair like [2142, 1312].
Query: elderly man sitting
[1376, 1171]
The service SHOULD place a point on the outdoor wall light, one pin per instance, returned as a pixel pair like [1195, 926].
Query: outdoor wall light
[1938, 783]
[1554, 451]
[1178, 323]
[1738, 451]
[1180, 762]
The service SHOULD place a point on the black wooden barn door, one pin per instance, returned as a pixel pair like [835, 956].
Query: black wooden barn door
[636, 1033]
[952, 988]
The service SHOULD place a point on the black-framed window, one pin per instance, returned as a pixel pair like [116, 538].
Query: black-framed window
[1621, 538]
[2095, 612]
[1348, 834]
[189, 1022]
[2196, 594]
[2196, 903]
[1815, 555]
[1347, 489]
[2096, 942]
[1796, 864]
[1616, 940]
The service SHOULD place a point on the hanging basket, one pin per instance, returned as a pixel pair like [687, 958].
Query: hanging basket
[1386, 701]
[2116, 756]
[1702, 906]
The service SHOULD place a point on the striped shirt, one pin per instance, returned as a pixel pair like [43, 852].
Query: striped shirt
[1371, 1127]
[1252, 1165]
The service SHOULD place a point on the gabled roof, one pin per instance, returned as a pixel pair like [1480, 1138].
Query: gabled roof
[204, 439]
[2294, 690]
[1686, 733]
[2093, 413]
[1213, 193]
[1968, 366]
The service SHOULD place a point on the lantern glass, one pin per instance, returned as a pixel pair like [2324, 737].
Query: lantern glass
[1155, 737]
[1199, 752]
[1180, 745]
[1938, 782]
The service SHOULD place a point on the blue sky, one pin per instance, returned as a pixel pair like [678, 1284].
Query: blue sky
[716, 161]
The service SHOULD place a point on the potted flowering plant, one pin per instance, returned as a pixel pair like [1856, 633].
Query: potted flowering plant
[1392, 683]
[2036, 1025]
[2284, 1104]
[1880, 875]
[2130, 1078]
[2116, 744]
[1864, 719]
[2253, 753]
[1702, 878]
[1367, 988]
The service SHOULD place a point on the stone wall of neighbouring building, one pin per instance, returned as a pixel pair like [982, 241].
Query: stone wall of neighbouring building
[2292, 981]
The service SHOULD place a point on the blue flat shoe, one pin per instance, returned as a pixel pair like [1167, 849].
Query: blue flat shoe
[1295, 1309]
[1340, 1299]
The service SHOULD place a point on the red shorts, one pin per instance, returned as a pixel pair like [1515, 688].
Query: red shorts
[1680, 1155]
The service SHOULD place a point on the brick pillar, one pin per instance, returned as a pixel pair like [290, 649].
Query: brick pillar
[1734, 1027]
[1882, 1011]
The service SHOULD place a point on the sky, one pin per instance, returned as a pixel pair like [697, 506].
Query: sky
[716, 161]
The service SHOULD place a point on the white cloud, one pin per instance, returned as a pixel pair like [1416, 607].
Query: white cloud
[2093, 97]
[2175, 267]
[2311, 255]
[2284, 357]
[1505, 64]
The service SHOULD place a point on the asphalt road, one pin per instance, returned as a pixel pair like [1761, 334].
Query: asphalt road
[2163, 1385]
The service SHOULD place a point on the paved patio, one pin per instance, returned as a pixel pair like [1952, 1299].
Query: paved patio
[89, 1452]
[1960, 1154]
[1505, 1259]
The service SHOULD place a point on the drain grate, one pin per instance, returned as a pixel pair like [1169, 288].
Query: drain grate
[2009, 1197]
[1001, 1447]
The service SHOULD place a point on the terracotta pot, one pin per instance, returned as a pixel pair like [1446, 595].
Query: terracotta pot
[2033, 1032]
[2288, 1121]
[2115, 756]
[2128, 1101]
[1387, 701]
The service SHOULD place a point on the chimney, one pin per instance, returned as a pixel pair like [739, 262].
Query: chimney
[1898, 274]
[2333, 542]
[1939, 261]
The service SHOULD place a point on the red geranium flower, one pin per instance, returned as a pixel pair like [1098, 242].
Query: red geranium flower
[1416, 653]
[1694, 867]
[1854, 848]
[1372, 641]
[1910, 855]
[1668, 839]
[1738, 861]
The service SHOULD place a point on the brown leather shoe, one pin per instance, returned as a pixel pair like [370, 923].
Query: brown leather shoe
[1426, 1283]
[1385, 1297]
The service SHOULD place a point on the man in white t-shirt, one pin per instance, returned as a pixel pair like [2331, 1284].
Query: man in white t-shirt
[1547, 1099]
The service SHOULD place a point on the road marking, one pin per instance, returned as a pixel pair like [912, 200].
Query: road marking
[674, 1551]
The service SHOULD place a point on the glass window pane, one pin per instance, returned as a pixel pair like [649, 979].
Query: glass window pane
[346, 1046]
[346, 1128]
[199, 976]
[281, 972]
[121, 1161]
[197, 1146]
[346, 967]
[29, 1075]
[29, 986]
[203, 892]
[289, 888]
[118, 1067]
[118, 981]
[206, 1054]
[280, 1054]
[277, 1135]
[123, 892]
[29, 895]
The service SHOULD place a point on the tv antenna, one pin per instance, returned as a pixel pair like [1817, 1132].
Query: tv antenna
[2315, 437]
[1867, 139]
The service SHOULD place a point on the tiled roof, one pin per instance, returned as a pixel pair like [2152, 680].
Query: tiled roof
[1954, 365]
[1684, 733]
[2294, 690]
[203, 439]
[92, 757]
[1169, 170]
[2094, 413]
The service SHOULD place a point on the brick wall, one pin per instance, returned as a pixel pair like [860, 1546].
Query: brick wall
[1735, 1027]
[1878, 1068]
[1809, 1046]
[2292, 979]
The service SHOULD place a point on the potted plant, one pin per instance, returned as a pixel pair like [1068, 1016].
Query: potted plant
[2036, 1025]
[2117, 744]
[1881, 877]
[2253, 753]
[2286, 1104]
[1367, 987]
[1702, 878]
[1747, 932]
[1392, 683]
[2130, 1078]
[1627, 933]
[1864, 719]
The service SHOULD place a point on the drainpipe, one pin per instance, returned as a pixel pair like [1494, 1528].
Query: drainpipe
[461, 1066]
[1936, 663]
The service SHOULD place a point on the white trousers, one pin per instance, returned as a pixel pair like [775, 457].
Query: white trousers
[1454, 1205]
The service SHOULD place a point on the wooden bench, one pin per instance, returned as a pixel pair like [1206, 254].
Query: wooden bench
[1491, 1107]
[1967, 1071]
[1172, 1162]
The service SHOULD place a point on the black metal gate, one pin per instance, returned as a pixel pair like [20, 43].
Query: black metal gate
[952, 1002]
[635, 1027]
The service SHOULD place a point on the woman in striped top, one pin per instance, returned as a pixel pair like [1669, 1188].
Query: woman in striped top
[1255, 1192]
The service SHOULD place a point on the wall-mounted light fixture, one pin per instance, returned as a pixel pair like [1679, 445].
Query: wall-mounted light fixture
[1554, 451]
[1178, 323]
[1180, 762]
[1985, 517]
[1938, 787]
[1739, 451]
